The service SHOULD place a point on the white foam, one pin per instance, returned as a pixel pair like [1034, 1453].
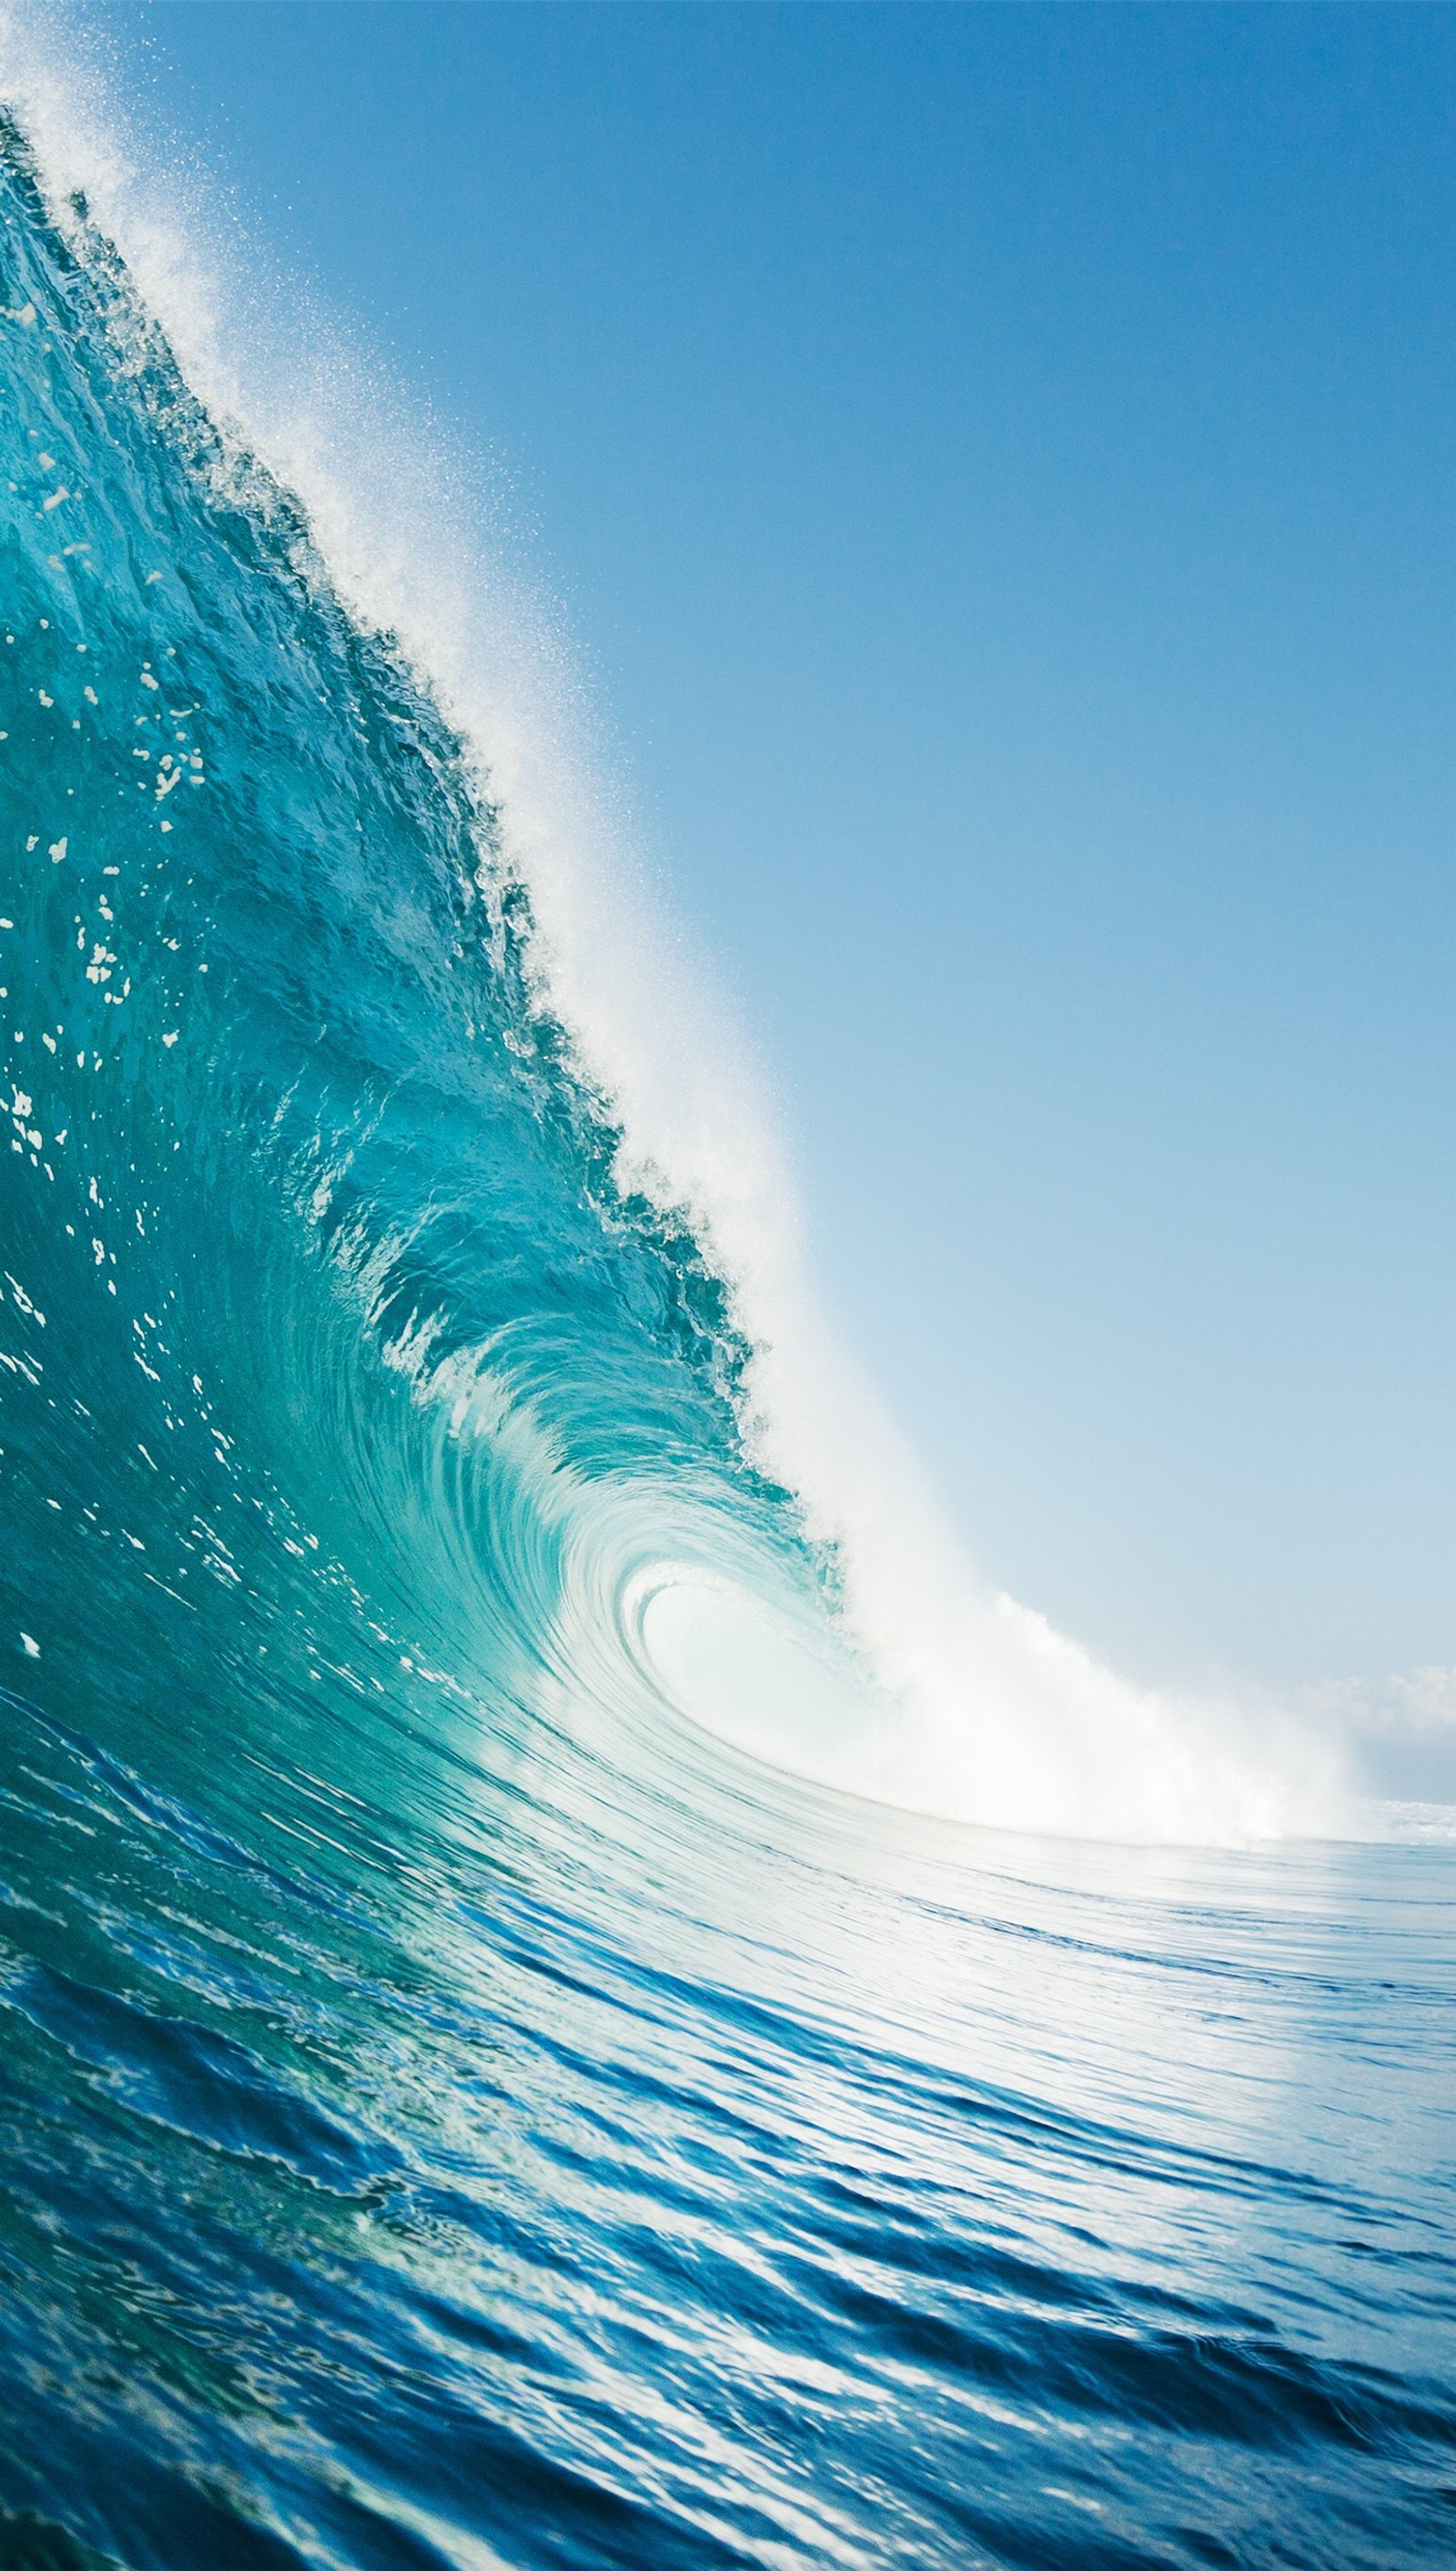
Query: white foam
[999, 1718]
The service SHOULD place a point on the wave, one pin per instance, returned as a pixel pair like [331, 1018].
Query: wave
[949, 1695]
[478, 2089]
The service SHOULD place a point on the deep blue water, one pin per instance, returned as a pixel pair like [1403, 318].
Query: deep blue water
[453, 2111]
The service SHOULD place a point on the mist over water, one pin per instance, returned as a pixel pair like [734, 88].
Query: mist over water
[514, 2054]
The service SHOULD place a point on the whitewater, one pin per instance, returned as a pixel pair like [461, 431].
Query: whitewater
[550, 2010]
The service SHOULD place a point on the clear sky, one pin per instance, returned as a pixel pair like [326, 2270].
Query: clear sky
[999, 465]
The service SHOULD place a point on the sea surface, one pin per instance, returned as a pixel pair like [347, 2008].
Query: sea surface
[453, 2109]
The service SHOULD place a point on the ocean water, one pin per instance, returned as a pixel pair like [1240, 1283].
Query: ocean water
[455, 2108]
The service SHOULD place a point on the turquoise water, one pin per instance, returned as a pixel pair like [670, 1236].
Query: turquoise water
[454, 2110]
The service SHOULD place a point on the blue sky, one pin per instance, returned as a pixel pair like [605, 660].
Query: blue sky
[998, 466]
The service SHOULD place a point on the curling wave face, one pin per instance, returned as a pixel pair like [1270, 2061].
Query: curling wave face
[462, 2106]
[321, 1221]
